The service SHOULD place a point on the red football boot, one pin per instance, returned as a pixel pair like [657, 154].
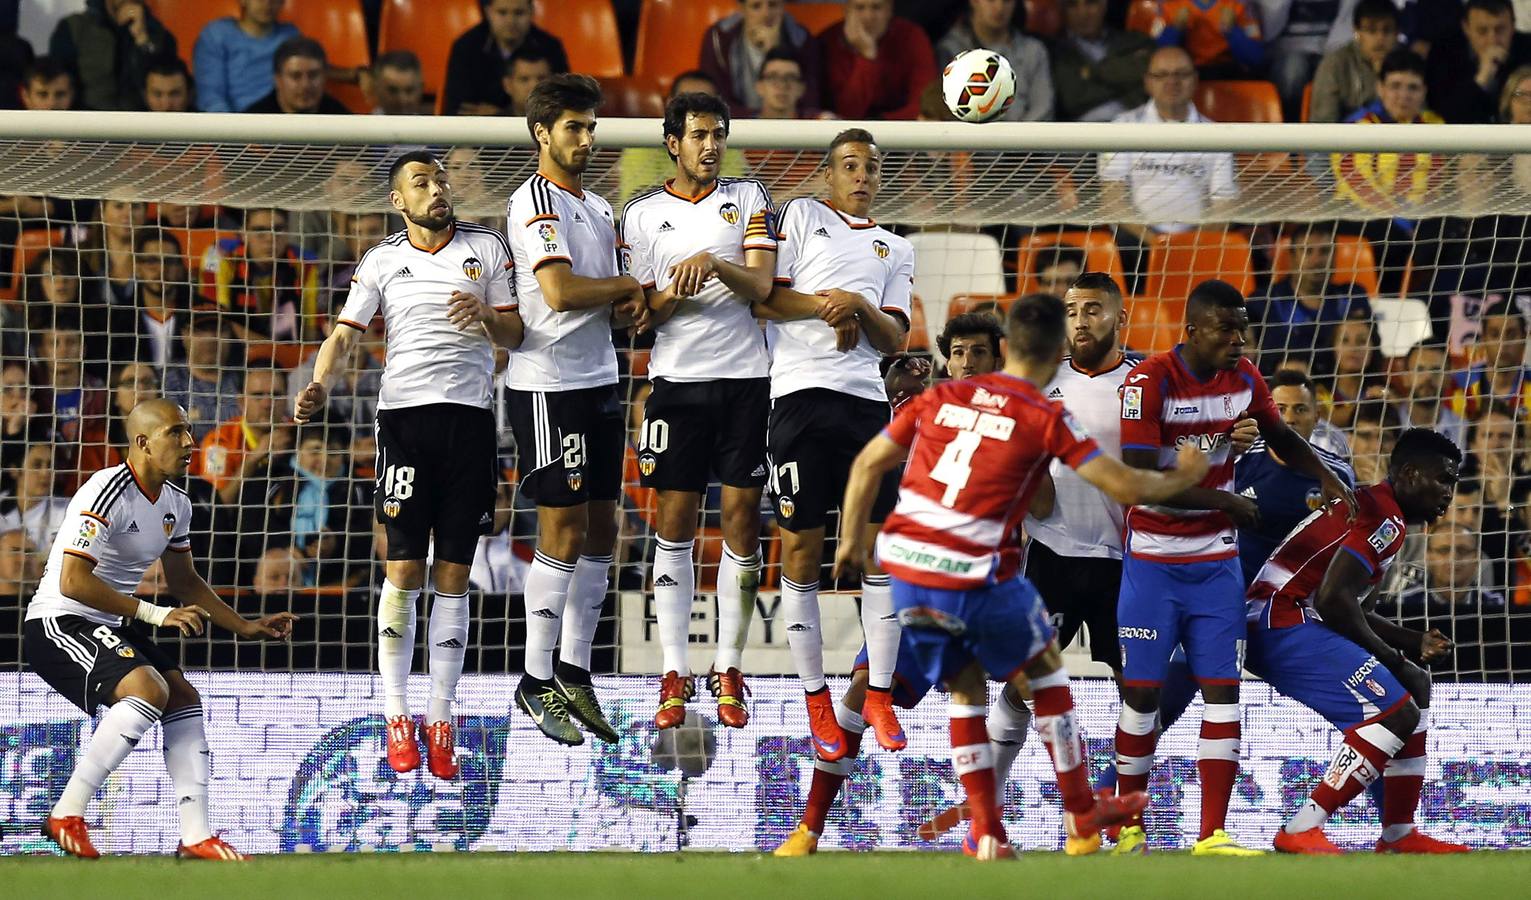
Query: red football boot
[877, 710]
[1107, 811]
[728, 687]
[403, 748]
[441, 750]
[828, 736]
[1312, 842]
[674, 690]
[1114, 830]
[1417, 841]
[212, 848]
[72, 836]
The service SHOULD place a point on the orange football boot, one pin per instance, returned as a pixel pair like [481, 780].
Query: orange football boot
[403, 748]
[674, 690]
[213, 848]
[728, 687]
[1417, 841]
[441, 750]
[877, 710]
[1312, 842]
[828, 736]
[72, 836]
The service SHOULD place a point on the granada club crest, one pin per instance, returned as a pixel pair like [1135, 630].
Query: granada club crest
[880, 248]
[169, 524]
[730, 213]
[472, 268]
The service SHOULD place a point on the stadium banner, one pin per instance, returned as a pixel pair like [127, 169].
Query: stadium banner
[298, 765]
[639, 651]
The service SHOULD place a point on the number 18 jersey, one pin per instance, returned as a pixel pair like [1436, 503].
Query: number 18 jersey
[977, 450]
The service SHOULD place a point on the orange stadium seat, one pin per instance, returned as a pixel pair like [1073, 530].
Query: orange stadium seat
[709, 554]
[919, 327]
[966, 303]
[1239, 101]
[428, 29]
[1152, 326]
[817, 17]
[1178, 262]
[340, 27]
[1043, 18]
[1141, 15]
[1099, 247]
[1307, 100]
[633, 96]
[186, 18]
[588, 29]
[1354, 261]
[670, 34]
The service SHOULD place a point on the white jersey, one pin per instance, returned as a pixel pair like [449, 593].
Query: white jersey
[428, 359]
[562, 351]
[1170, 190]
[1085, 522]
[818, 248]
[712, 334]
[113, 523]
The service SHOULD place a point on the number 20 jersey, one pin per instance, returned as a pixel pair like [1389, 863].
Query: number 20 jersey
[977, 450]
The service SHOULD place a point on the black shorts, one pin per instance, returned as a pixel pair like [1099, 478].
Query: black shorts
[84, 660]
[695, 428]
[570, 444]
[814, 436]
[1079, 590]
[437, 472]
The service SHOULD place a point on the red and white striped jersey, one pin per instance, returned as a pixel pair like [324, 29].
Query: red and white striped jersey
[977, 449]
[1283, 591]
[1165, 406]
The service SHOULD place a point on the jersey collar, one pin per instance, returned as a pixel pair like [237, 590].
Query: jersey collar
[452, 233]
[669, 188]
[562, 187]
[139, 482]
[852, 221]
[1120, 358]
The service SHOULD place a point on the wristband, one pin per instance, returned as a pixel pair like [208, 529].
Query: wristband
[151, 614]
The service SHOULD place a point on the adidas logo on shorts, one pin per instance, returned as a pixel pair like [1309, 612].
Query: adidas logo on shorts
[484, 519]
[759, 472]
[665, 581]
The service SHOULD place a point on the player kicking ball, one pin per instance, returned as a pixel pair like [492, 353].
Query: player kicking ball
[1312, 638]
[76, 636]
[976, 451]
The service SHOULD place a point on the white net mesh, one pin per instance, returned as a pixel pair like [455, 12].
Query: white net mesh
[209, 271]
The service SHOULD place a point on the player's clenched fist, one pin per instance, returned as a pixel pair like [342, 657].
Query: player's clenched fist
[840, 305]
[310, 401]
[1434, 646]
[1192, 462]
[465, 310]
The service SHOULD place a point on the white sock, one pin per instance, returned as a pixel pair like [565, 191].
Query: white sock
[447, 637]
[738, 582]
[587, 596]
[881, 628]
[546, 592]
[850, 721]
[1007, 725]
[395, 645]
[800, 610]
[674, 589]
[185, 734]
[120, 729]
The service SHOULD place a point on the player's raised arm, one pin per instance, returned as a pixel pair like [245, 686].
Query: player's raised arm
[1134, 486]
[188, 586]
[1289, 446]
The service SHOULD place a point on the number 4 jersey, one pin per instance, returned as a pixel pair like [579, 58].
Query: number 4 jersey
[977, 450]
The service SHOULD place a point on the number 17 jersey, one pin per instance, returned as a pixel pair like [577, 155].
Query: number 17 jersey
[977, 450]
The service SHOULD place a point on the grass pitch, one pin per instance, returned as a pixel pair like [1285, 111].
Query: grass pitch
[720, 876]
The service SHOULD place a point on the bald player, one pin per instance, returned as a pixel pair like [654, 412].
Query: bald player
[89, 638]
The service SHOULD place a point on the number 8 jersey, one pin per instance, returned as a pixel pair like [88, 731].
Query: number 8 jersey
[977, 450]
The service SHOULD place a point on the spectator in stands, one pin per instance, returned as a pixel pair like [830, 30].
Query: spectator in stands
[1289, 314]
[359, 233]
[1222, 37]
[205, 384]
[1056, 268]
[106, 439]
[162, 297]
[1097, 70]
[30, 499]
[47, 84]
[241, 447]
[735, 48]
[782, 89]
[1163, 193]
[297, 75]
[18, 408]
[524, 69]
[167, 86]
[993, 25]
[1298, 33]
[645, 167]
[474, 86]
[1416, 391]
[1467, 71]
[106, 253]
[1347, 373]
[1346, 79]
[232, 58]
[109, 46]
[276, 572]
[53, 276]
[271, 284]
[21, 566]
[1457, 577]
[64, 386]
[875, 64]
[330, 523]
[1498, 378]
[1372, 435]
[1492, 460]
[398, 86]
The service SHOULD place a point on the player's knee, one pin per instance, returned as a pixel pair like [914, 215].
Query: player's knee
[1018, 690]
[1141, 698]
[145, 684]
[181, 693]
[1045, 663]
[677, 515]
[450, 577]
[406, 574]
[856, 694]
[1403, 720]
[1220, 693]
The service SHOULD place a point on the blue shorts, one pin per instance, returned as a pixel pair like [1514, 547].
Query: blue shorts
[1198, 605]
[1327, 673]
[1001, 626]
[910, 684]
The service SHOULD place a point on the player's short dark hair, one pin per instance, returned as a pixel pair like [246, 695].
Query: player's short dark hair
[1210, 295]
[561, 92]
[1057, 255]
[682, 105]
[166, 66]
[970, 324]
[1492, 7]
[526, 54]
[1034, 327]
[45, 68]
[1421, 446]
[691, 75]
[1099, 282]
[1291, 378]
[413, 156]
[1401, 60]
[403, 60]
[852, 136]
[1373, 10]
[297, 48]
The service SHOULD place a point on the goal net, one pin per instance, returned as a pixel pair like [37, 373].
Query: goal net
[202, 258]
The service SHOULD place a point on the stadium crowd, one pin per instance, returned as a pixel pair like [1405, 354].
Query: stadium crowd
[221, 309]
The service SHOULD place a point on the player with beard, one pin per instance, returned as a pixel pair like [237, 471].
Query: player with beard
[443, 288]
[564, 409]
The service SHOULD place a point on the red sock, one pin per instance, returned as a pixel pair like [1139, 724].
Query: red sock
[973, 761]
[1136, 738]
[1402, 780]
[827, 778]
[1217, 763]
[1060, 732]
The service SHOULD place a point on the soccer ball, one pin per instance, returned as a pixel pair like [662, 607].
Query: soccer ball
[978, 85]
